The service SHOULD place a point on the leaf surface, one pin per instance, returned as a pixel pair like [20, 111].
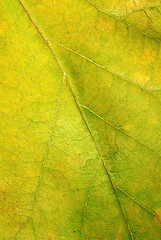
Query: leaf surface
[81, 120]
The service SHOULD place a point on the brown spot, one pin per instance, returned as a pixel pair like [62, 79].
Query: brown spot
[158, 215]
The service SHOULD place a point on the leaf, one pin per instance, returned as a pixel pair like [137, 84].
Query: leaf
[81, 120]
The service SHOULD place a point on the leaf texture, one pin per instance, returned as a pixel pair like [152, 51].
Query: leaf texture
[80, 120]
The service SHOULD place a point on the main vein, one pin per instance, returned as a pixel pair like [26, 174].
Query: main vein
[79, 108]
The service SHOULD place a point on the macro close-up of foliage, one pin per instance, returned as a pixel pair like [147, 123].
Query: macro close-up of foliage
[80, 112]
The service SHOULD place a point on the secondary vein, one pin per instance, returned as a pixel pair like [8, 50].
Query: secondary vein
[121, 130]
[124, 22]
[109, 70]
